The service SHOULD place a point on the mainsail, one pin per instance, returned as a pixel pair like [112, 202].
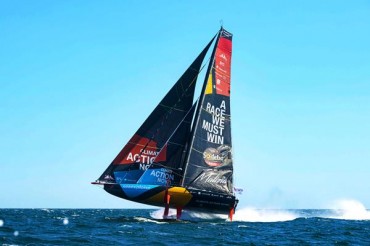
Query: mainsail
[209, 164]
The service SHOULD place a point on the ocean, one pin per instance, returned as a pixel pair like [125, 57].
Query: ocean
[145, 227]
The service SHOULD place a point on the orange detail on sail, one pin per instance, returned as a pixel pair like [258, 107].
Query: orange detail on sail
[162, 155]
[138, 149]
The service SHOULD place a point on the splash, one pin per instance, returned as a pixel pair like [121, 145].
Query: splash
[187, 215]
[65, 221]
[350, 210]
[158, 214]
[241, 215]
[1, 223]
[140, 219]
[263, 215]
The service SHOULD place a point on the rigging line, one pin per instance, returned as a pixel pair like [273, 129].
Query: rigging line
[183, 119]
[179, 99]
[194, 179]
[200, 70]
[172, 108]
[170, 168]
[193, 80]
[184, 92]
[202, 100]
[178, 144]
[195, 77]
[165, 117]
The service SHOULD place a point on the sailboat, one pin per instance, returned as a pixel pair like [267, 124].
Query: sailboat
[181, 156]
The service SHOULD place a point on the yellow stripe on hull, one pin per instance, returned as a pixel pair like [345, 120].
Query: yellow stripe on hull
[179, 197]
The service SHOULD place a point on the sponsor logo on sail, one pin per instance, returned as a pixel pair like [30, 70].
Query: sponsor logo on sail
[163, 176]
[213, 178]
[217, 157]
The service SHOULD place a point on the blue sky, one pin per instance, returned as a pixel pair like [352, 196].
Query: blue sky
[77, 78]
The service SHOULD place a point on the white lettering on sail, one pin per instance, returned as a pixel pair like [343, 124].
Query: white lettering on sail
[162, 175]
[144, 166]
[212, 178]
[222, 55]
[214, 138]
[145, 156]
[215, 130]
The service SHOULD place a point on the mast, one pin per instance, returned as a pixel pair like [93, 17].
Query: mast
[209, 160]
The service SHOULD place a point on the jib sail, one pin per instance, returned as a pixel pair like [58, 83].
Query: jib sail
[150, 138]
[169, 171]
[209, 165]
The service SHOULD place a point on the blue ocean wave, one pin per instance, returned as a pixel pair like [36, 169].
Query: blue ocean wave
[141, 226]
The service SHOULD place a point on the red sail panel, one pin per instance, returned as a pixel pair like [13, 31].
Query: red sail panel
[222, 66]
[141, 150]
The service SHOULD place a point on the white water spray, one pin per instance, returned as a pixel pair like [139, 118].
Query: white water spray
[350, 210]
[263, 215]
[65, 221]
[187, 215]
[341, 209]
[242, 215]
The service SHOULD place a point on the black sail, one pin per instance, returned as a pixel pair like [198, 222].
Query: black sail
[144, 146]
[209, 165]
[168, 171]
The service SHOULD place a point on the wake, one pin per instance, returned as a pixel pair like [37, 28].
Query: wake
[188, 215]
[350, 210]
[264, 215]
[341, 209]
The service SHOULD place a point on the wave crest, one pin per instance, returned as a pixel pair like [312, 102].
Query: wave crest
[350, 210]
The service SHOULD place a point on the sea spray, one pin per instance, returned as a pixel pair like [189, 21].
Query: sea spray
[241, 215]
[349, 209]
[341, 209]
[65, 221]
[249, 214]
[188, 215]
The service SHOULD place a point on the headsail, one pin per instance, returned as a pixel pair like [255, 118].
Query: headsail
[150, 138]
[169, 171]
[209, 165]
